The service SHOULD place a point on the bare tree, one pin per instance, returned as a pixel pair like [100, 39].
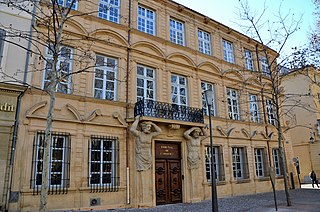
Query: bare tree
[271, 34]
[49, 35]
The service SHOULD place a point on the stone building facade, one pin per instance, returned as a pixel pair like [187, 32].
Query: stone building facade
[122, 133]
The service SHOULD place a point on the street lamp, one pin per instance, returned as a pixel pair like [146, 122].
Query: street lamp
[209, 99]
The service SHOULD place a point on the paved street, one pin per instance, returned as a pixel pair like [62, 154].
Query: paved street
[305, 199]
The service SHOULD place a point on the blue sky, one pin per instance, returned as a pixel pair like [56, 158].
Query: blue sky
[226, 12]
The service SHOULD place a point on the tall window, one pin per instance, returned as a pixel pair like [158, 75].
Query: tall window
[217, 163]
[179, 89]
[270, 112]
[59, 162]
[276, 161]
[239, 163]
[248, 59]
[103, 163]
[260, 162]
[145, 83]
[207, 86]
[146, 20]
[265, 66]
[254, 111]
[105, 75]
[109, 10]
[204, 42]
[228, 54]
[233, 104]
[2, 37]
[64, 69]
[176, 32]
[67, 3]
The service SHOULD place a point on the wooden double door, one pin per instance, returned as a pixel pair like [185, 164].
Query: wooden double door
[168, 173]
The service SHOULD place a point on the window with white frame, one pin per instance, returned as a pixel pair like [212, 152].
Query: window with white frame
[254, 111]
[103, 163]
[270, 112]
[179, 89]
[59, 161]
[276, 161]
[109, 10]
[63, 69]
[204, 42]
[2, 38]
[176, 32]
[67, 3]
[318, 126]
[146, 20]
[239, 163]
[228, 54]
[217, 163]
[105, 75]
[265, 66]
[208, 86]
[145, 83]
[248, 59]
[233, 104]
[260, 162]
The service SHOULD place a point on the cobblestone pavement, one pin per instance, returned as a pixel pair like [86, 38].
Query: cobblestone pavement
[305, 199]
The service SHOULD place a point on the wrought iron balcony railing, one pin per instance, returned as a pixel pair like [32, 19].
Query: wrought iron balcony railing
[151, 108]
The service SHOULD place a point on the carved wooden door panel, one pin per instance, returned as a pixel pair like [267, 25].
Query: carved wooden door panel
[161, 182]
[174, 172]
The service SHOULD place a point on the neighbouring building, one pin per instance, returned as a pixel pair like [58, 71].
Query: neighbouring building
[304, 117]
[154, 71]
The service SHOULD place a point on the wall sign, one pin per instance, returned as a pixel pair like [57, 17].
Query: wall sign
[7, 107]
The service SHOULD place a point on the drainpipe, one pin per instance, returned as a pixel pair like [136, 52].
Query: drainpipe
[127, 102]
[14, 142]
[29, 43]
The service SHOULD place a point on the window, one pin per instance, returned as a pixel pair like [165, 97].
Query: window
[59, 162]
[228, 54]
[67, 3]
[2, 37]
[217, 162]
[254, 112]
[103, 164]
[260, 162]
[204, 42]
[109, 10]
[64, 69]
[239, 163]
[176, 32]
[318, 126]
[105, 75]
[270, 112]
[265, 66]
[146, 20]
[179, 90]
[248, 59]
[276, 161]
[207, 86]
[233, 104]
[145, 83]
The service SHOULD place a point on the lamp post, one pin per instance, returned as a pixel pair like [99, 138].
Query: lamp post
[209, 99]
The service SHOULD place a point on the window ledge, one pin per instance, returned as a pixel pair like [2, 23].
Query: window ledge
[261, 178]
[242, 181]
[217, 183]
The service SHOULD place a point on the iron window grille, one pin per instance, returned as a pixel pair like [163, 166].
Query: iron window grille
[239, 163]
[207, 86]
[59, 163]
[109, 10]
[217, 163]
[176, 32]
[233, 104]
[204, 42]
[103, 164]
[145, 83]
[64, 69]
[261, 164]
[276, 162]
[146, 20]
[105, 78]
